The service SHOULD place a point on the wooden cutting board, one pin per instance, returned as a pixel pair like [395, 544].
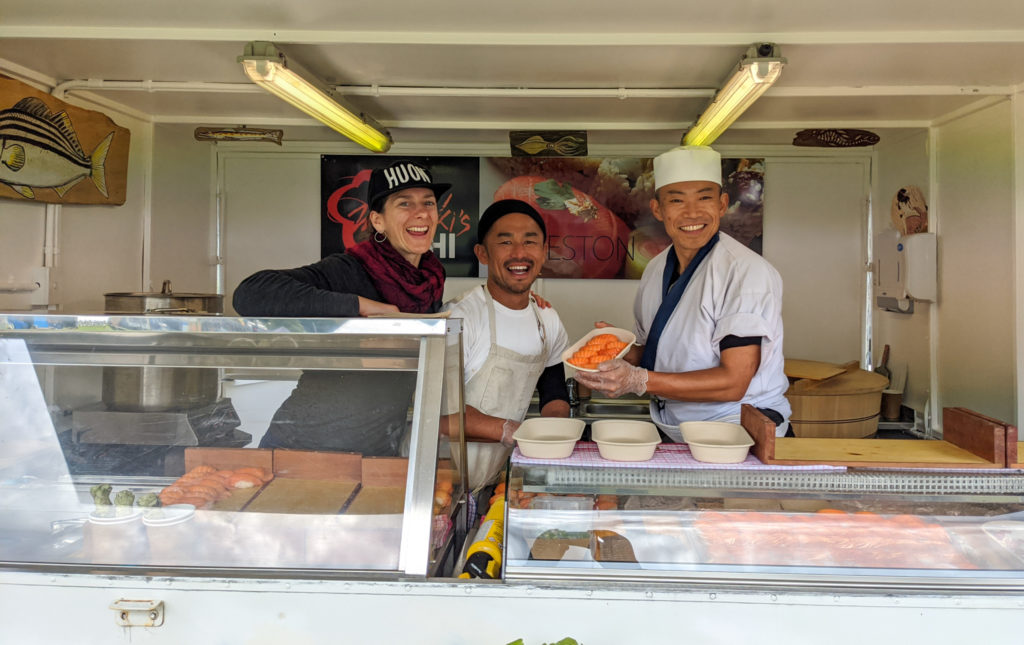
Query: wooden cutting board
[903, 453]
[320, 497]
[228, 458]
[236, 501]
[969, 442]
[384, 472]
[378, 500]
[319, 466]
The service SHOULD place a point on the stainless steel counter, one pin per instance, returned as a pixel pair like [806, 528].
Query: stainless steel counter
[596, 409]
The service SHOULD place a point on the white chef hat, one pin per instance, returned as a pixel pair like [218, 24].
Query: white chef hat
[687, 163]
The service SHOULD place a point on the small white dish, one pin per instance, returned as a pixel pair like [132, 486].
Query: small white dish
[625, 439]
[548, 437]
[716, 442]
[168, 515]
[623, 335]
[114, 515]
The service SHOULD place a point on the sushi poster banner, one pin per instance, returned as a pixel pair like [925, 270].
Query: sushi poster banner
[58, 153]
[597, 211]
[344, 221]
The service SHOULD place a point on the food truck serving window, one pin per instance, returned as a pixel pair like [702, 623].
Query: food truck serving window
[167, 442]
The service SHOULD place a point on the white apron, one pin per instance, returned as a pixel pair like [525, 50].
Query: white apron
[501, 388]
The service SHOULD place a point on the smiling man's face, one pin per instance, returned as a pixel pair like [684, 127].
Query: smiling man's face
[514, 251]
[691, 212]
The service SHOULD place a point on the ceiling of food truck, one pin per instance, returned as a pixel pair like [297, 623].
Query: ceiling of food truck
[883, 65]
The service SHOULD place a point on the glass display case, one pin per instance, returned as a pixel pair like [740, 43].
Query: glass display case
[245, 444]
[815, 527]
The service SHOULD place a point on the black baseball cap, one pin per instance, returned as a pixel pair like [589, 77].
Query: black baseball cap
[503, 207]
[398, 176]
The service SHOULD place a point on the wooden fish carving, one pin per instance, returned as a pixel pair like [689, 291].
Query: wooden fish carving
[40, 149]
[238, 134]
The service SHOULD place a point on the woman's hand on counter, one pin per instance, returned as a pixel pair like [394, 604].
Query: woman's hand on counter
[369, 307]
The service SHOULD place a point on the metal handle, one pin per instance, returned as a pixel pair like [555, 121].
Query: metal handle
[138, 613]
[571, 386]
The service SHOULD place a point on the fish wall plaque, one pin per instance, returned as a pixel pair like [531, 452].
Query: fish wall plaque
[51, 151]
[240, 133]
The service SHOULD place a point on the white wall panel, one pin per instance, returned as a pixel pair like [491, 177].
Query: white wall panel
[271, 214]
[184, 217]
[22, 227]
[976, 262]
[814, 235]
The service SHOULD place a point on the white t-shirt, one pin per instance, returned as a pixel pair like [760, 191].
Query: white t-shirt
[733, 292]
[517, 330]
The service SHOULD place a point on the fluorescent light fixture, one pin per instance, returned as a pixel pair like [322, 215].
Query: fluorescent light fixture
[757, 70]
[266, 66]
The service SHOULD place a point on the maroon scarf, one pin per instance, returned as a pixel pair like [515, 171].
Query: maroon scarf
[411, 289]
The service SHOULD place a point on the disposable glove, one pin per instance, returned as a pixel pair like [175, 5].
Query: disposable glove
[616, 378]
[507, 430]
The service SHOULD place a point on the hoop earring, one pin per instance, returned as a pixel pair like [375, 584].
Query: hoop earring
[380, 237]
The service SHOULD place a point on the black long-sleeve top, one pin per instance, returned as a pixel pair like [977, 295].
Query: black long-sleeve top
[329, 288]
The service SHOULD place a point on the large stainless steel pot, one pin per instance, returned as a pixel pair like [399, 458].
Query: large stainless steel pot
[159, 389]
[164, 303]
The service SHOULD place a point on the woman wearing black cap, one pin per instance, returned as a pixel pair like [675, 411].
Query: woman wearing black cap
[394, 271]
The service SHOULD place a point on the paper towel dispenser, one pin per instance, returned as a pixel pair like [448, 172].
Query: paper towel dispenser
[904, 270]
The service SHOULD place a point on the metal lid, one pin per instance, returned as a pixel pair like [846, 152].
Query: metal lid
[852, 381]
[157, 294]
[165, 290]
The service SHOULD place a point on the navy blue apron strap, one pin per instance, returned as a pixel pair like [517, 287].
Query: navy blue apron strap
[670, 296]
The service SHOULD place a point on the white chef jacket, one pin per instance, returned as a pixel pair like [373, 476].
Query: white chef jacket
[733, 292]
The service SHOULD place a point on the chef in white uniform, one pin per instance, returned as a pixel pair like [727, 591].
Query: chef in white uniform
[708, 311]
[510, 345]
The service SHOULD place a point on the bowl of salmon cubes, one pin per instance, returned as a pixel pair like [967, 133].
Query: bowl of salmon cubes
[599, 345]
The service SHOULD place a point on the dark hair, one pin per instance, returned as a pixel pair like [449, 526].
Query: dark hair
[504, 207]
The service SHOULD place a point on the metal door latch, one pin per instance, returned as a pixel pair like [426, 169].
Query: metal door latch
[139, 613]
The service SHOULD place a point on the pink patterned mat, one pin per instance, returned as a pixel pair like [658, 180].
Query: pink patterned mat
[667, 455]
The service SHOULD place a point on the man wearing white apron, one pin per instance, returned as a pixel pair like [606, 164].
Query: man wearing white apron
[510, 345]
[708, 311]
